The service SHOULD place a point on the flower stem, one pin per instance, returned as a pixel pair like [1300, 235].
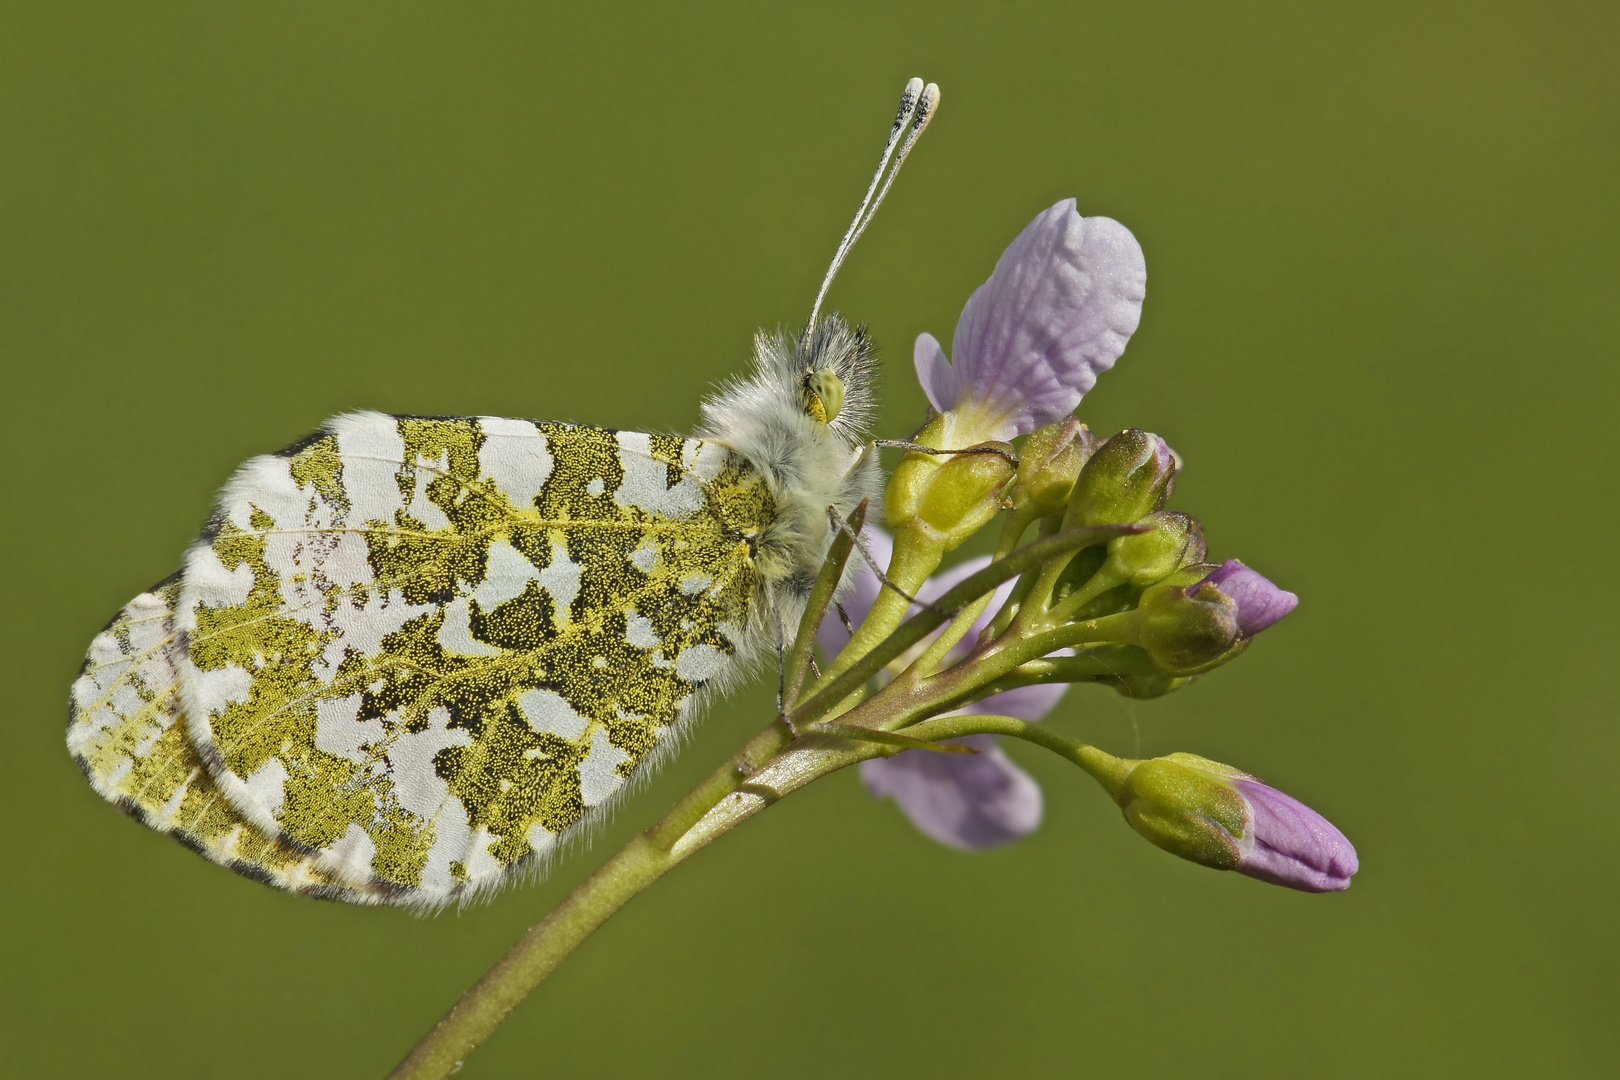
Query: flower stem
[478, 1013]
[834, 687]
[1099, 583]
[815, 608]
[637, 865]
[1049, 526]
[1107, 770]
[1012, 529]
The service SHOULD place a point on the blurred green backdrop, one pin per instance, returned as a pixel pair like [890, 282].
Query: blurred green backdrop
[1381, 327]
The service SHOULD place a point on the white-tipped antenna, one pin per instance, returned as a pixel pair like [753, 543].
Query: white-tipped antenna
[917, 106]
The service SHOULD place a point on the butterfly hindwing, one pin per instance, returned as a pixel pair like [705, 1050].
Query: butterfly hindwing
[125, 732]
[424, 648]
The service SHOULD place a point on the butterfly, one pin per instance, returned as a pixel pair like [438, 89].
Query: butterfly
[411, 657]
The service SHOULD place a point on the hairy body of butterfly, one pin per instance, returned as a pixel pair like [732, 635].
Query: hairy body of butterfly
[410, 656]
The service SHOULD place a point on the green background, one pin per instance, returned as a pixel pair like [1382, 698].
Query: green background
[1381, 328]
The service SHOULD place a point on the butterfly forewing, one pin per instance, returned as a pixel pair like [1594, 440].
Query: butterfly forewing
[423, 648]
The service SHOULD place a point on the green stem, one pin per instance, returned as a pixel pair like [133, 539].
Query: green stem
[1104, 579]
[1104, 660]
[637, 865]
[815, 609]
[482, 1008]
[915, 557]
[833, 689]
[1012, 528]
[1020, 593]
[910, 698]
[1033, 612]
[1107, 770]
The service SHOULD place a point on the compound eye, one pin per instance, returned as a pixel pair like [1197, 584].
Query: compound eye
[823, 395]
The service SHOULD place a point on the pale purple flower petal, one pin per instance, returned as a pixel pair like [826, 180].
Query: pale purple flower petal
[967, 801]
[1059, 309]
[1259, 602]
[935, 373]
[1288, 843]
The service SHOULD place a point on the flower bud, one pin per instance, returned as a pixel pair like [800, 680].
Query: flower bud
[1049, 463]
[949, 501]
[1143, 559]
[1186, 629]
[1216, 816]
[1128, 477]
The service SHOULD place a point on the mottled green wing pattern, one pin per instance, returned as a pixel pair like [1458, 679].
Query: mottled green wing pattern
[124, 731]
[422, 649]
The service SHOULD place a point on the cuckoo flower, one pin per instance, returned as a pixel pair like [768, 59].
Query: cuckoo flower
[965, 801]
[1063, 301]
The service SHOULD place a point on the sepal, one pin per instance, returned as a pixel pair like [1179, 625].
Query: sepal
[1183, 804]
[949, 501]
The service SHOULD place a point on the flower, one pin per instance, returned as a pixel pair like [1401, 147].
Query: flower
[967, 801]
[1063, 301]
[1217, 816]
[1259, 602]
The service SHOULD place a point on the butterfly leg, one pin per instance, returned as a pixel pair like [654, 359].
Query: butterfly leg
[843, 617]
[781, 680]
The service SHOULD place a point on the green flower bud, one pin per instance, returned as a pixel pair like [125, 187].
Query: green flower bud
[1176, 539]
[1185, 629]
[1049, 463]
[1128, 477]
[1185, 804]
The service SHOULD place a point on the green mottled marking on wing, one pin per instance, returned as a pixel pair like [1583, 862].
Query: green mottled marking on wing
[459, 635]
[125, 733]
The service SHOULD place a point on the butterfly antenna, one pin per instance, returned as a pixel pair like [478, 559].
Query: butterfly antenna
[917, 106]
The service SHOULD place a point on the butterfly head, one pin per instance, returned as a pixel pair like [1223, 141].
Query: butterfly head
[832, 369]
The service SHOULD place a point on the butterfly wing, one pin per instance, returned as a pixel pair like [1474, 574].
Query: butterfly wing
[124, 730]
[424, 649]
